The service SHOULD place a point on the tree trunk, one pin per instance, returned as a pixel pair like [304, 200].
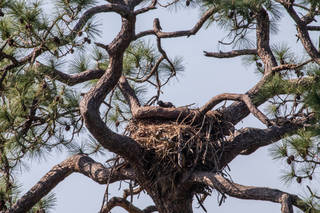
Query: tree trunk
[172, 200]
[178, 205]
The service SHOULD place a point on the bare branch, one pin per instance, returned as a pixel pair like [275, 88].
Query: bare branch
[290, 66]
[238, 110]
[120, 202]
[235, 97]
[152, 6]
[231, 54]
[128, 192]
[91, 102]
[154, 69]
[248, 140]
[70, 79]
[164, 54]
[150, 209]
[286, 204]
[313, 28]
[129, 94]
[161, 112]
[224, 185]
[188, 33]
[77, 163]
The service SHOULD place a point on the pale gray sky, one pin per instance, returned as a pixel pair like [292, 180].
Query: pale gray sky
[204, 78]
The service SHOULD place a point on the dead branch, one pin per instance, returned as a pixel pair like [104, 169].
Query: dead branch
[248, 140]
[69, 79]
[129, 94]
[221, 183]
[128, 192]
[154, 69]
[238, 110]
[290, 66]
[91, 102]
[164, 54]
[123, 203]
[235, 97]
[286, 204]
[152, 6]
[313, 28]
[188, 33]
[231, 54]
[78, 163]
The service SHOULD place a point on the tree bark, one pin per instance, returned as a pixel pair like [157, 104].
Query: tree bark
[170, 203]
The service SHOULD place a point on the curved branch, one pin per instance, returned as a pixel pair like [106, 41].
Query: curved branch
[129, 94]
[154, 69]
[70, 79]
[252, 193]
[161, 112]
[152, 6]
[313, 28]
[238, 110]
[302, 30]
[164, 54]
[248, 140]
[121, 202]
[91, 102]
[78, 163]
[263, 40]
[231, 54]
[188, 33]
[235, 97]
[290, 66]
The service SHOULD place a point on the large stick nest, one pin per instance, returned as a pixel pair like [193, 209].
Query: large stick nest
[176, 146]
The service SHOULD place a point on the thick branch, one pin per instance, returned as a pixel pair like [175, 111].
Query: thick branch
[129, 94]
[248, 140]
[303, 33]
[231, 54]
[77, 163]
[235, 97]
[152, 6]
[263, 40]
[238, 110]
[313, 28]
[251, 192]
[164, 113]
[70, 79]
[91, 102]
[286, 204]
[125, 204]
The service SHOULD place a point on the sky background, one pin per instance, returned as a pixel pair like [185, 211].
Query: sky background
[203, 78]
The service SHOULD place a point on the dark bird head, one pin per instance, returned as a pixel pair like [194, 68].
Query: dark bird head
[165, 104]
[160, 103]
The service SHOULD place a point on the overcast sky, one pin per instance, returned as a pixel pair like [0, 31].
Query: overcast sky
[204, 78]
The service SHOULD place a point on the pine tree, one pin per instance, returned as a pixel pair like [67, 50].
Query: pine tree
[58, 83]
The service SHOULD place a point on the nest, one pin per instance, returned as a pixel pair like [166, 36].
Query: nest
[173, 147]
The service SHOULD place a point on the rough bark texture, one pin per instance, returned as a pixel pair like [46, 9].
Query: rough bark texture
[173, 193]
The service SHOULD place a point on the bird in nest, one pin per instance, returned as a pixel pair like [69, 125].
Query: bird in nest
[165, 104]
